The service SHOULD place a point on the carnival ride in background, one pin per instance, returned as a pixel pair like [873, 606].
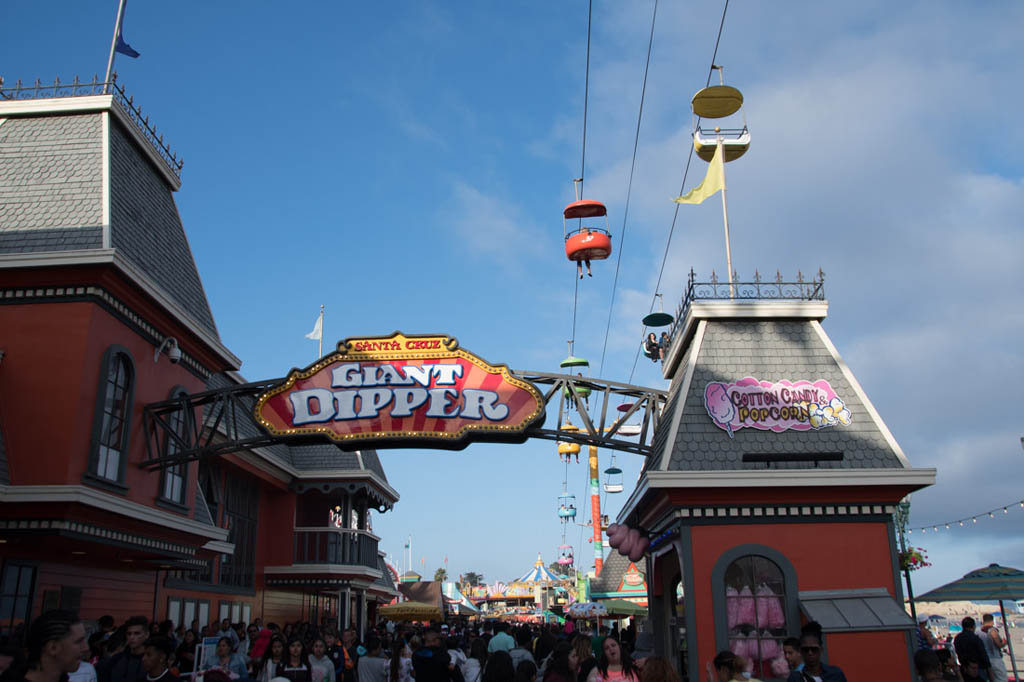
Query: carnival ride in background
[590, 239]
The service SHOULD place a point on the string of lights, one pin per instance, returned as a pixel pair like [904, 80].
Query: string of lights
[959, 523]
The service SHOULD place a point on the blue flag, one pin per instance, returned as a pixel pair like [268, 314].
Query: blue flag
[121, 46]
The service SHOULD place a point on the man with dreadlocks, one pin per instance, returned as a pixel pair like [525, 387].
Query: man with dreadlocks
[56, 644]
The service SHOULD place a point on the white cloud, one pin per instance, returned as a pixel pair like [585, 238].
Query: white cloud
[493, 227]
[885, 151]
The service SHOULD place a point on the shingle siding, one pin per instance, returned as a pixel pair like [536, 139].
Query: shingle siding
[41, 240]
[771, 350]
[323, 456]
[371, 461]
[615, 566]
[51, 183]
[147, 230]
[654, 463]
[385, 579]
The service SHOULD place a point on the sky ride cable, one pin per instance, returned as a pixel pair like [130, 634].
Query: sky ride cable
[583, 157]
[629, 191]
[682, 189]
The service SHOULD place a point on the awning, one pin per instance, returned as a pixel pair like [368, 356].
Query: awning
[864, 610]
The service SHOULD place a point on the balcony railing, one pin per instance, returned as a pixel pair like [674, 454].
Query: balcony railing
[77, 88]
[339, 546]
[757, 289]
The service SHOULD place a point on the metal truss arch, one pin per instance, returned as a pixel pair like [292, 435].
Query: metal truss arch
[189, 427]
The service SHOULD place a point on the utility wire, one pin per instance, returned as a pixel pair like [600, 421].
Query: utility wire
[682, 188]
[629, 191]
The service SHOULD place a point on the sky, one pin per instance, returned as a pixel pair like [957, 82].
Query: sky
[405, 164]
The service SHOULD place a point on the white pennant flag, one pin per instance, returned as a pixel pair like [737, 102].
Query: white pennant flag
[318, 329]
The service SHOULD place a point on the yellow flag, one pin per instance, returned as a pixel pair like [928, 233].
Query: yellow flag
[712, 182]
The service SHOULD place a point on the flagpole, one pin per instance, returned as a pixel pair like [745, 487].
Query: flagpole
[725, 213]
[320, 344]
[113, 46]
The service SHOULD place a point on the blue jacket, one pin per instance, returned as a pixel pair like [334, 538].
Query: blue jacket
[829, 673]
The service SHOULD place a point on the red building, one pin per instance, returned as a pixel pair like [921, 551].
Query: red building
[102, 312]
[771, 492]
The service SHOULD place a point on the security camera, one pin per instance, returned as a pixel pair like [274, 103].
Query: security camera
[173, 351]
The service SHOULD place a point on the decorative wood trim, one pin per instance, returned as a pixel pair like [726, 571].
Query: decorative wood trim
[137, 277]
[763, 513]
[91, 497]
[105, 179]
[790, 478]
[109, 302]
[345, 571]
[95, 532]
[677, 417]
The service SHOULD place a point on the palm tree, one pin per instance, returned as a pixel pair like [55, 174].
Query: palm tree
[472, 579]
[440, 575]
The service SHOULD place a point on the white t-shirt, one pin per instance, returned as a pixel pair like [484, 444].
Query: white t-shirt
[85, 673]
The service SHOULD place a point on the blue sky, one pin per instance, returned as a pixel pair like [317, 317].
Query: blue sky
[406, 164]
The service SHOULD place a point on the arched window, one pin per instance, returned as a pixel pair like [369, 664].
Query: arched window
[111, 425]
[756, 607]
[173, 477]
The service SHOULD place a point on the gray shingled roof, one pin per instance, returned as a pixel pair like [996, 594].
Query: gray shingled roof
[385, 575]
[51, 199]
[371, 462]
[614, 567]
[769, 350]
[146, 228]
[51, 193]
[321, 456]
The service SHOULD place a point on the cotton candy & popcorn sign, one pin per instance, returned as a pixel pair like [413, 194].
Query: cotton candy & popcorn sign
[779, 406]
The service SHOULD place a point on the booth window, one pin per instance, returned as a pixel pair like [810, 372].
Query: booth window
[756, 607]
[113, 416]
[17, 582]
[173, 477]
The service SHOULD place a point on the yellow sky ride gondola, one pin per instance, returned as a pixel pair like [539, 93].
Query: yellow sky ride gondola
[714, 102]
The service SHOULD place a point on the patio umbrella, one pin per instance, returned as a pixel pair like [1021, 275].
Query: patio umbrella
[994, 582]
[623, 607]
[410, 610]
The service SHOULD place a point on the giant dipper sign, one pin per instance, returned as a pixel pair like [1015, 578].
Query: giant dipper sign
[401, 391]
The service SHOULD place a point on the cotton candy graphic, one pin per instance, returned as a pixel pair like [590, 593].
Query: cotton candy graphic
[719, 407]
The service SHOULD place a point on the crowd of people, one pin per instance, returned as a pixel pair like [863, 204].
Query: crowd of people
[968, 657]
[57, 648]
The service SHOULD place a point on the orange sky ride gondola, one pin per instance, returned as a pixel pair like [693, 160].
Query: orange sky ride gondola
[586, 242]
